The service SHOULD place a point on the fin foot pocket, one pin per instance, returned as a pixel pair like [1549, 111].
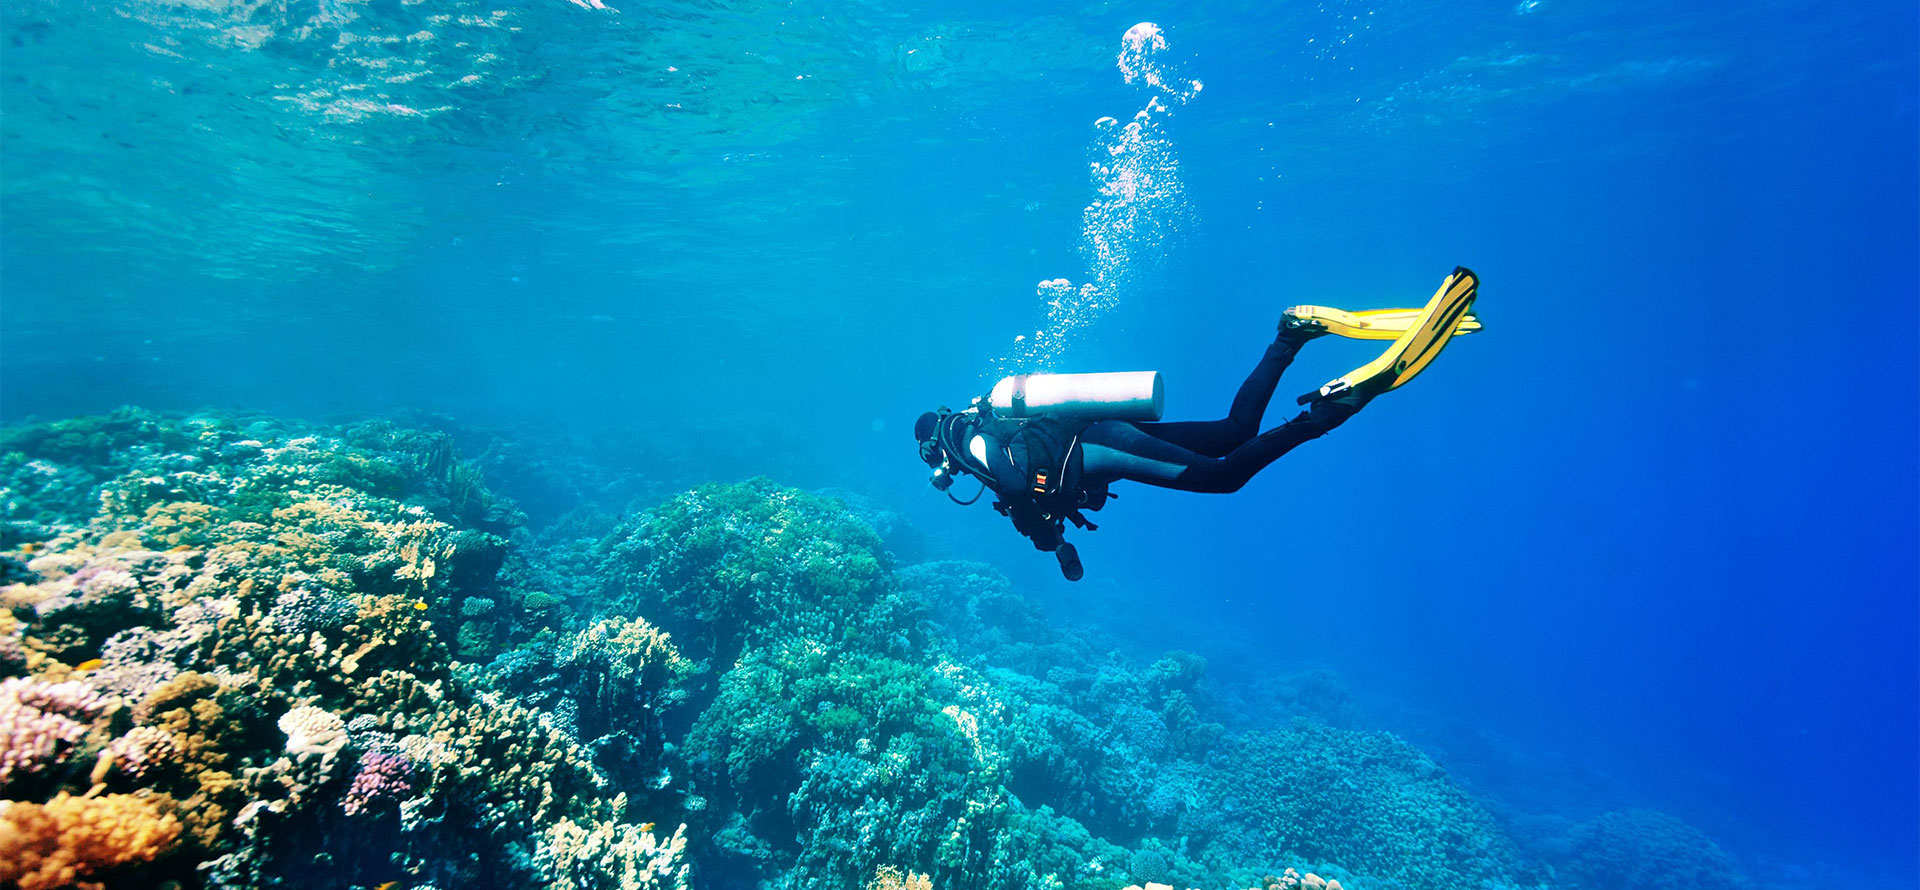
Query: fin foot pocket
[1414, 348]
[1363, 324]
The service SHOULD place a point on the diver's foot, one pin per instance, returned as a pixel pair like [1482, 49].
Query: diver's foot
[1069, 561]
[1300, 327]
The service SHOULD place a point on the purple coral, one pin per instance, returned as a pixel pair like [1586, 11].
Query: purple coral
[384, 776]
[40, 723]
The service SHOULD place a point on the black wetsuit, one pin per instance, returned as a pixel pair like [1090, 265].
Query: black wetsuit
[1210, 455]
[1047, 472]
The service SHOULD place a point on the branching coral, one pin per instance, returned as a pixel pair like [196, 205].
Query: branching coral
[72, 839]
[297, 593]
[382, 777]
[606, 855]
[142, 749]
[41, 723]
[619, 664]
[891, 877]
[1287, 880]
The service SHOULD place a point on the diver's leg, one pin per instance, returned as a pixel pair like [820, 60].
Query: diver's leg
[1216, 438]
[1229, 473]
[1112, 450]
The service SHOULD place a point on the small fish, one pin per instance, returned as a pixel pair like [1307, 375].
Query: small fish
[31, 547]
[180, 549]
[420, 607]
[646, 826]
[91, 664]
[387, 886]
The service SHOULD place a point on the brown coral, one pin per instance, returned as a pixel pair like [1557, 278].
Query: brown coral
[72, 839]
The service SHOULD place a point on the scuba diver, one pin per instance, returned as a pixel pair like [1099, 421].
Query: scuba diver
[1049, 445]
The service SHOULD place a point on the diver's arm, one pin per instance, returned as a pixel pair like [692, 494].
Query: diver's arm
[1016, 501]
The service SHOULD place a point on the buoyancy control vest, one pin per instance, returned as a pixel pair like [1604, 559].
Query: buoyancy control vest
[1033, 465]
[1046, 452]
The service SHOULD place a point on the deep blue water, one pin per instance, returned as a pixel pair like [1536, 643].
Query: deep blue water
[1658, 521]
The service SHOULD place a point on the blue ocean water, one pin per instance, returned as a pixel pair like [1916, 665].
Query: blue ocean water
[1647, 541]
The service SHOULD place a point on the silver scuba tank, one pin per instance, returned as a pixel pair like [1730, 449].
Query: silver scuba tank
[1115, 395]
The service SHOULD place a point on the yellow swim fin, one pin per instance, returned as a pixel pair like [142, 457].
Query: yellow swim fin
[1368, 324]
[1416, 346]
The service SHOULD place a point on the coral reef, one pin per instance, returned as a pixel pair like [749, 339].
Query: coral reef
[1287, 880]
[247, 624]
[241, 652]
[1640, 848]
[1365, 799]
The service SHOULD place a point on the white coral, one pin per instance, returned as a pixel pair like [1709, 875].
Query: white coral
[311, 730]
[605, 855]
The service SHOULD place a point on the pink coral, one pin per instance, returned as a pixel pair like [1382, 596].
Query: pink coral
[40, 723]
[140, 749]
[383, 777]
[72, 698]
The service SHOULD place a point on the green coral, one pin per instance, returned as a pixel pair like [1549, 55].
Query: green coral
[1645, 848]
[732, 565]
[1367, 800]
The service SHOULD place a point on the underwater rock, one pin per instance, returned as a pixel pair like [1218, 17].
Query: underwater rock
[1365, 799]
